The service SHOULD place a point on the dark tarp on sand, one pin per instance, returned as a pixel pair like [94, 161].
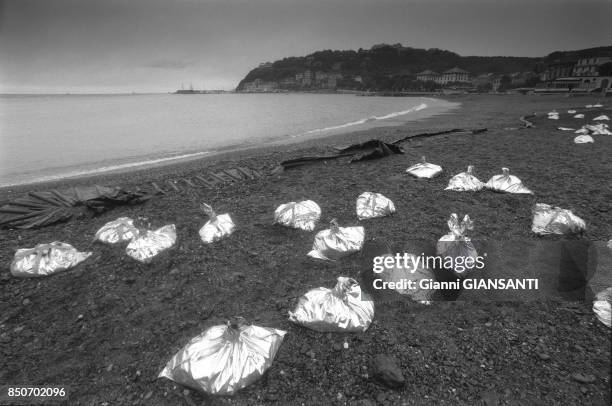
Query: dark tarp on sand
[39, 209]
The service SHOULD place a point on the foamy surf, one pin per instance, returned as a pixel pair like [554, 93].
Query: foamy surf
[421, 106]
[104, 169]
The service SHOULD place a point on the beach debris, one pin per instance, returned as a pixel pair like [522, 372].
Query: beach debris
[372, 205]
[337, 242]
[507, 183]
[553, 115]
[589, 106]
[598, 129]
[554, 220]
[373, 149]
[225, 358]
[465, 181]
[146, 246]
[571, 111]
[411, 268]
[579, 116]
[566, 129]
[217, 227]
[345, 308]
[384, 370]
[598, 105]
[424, 169]
[303, 215]
[610, 244]
[602, 306]
[46, 259]
[582, 130]
[117, 231]
[39, 209]
[583, 139]
[603, 117]
[456, 244]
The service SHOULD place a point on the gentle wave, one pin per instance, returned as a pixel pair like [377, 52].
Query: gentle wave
[104, 169]
[363, 121]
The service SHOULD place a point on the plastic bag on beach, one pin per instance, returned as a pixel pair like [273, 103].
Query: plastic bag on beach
[456, 244]
[601, 118]
[571, 111]
[583, 139]
[602, 306]
[465, 181]
[336, 242]
[144, 247]
[507, 183]
[598, 129]
[566, 129]
[372, 205]
[303, 215]
[345, 308]
[553, 115]
[415, 271]
[217, 227]
[579, 116]
[46, 259]
[554, 220]
[225, 358]
[424, 169]
[582, 130]
[116, 231]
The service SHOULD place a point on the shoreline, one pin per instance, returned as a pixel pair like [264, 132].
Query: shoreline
[323, 135]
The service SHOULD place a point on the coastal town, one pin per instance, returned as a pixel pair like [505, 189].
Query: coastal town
[589, 75]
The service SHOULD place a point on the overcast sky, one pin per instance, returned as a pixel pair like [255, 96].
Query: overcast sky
[154, 45]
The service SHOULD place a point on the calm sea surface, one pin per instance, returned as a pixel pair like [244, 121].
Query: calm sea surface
[56, 136]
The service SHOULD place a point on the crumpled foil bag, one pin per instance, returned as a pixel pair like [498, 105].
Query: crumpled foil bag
[598, 129]
[571, 111]
[465, 181]
[456, 243]
[553, 115]
[424, 169]
[601, 118]
[144, 247]
[602, 306]
[337, 242]
[225, 358]
[372, 205]
[399, 273]
[554, 220]
[217, 227]
[303, 215]
[583, 139]
[507, 183]
[345, 308]
[582, 130]
[116, 231]
[579, 116]
[566, 129]
[46, 259]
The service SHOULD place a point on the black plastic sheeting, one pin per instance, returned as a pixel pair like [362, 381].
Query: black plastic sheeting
[39, 209]
[372, 149]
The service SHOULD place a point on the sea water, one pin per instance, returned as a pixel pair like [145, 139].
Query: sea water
[45, 137]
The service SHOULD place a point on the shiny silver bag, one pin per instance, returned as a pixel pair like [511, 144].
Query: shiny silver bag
[217, 227]
[598, 129]
[507, 183]
[583, 139]
[602, 307]
[553, 115]
[225, 358]
[399, 275]
[372, 205]
[424, 169]
[602, 118]
[465, 182]
[554, 220]
[46, 259]
[144, 247]
[303, 215]
[345, 308]
[579, 116]
[456, 243]
[336, 242]
[116, 231]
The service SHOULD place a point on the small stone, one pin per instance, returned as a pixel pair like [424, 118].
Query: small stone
[583, 378]
[4, 338]
[584, 390]
[109, 368]
[543, 356]
[148, 395]
[385, 371]
[488, 324]
[346, 345]
[186, 392]
[26, 302]
[337, 347]
[174, 271]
